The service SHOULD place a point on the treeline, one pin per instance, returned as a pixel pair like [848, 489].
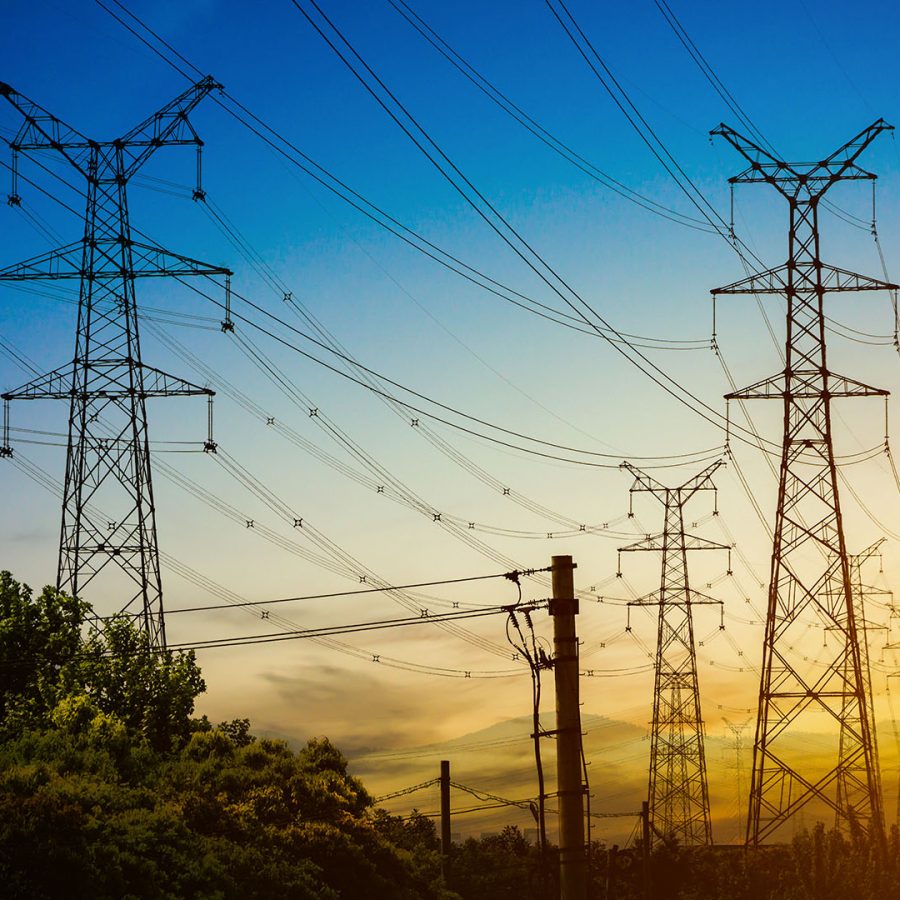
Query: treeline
[110, 788]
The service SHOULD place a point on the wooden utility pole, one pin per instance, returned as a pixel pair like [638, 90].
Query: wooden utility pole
[645, 849]
[445, 816]
[570, 789]
[612, 862]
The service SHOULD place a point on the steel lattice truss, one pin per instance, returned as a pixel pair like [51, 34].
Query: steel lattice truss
[811, 570]
[852, 779]
[108, 511]
[678, 792]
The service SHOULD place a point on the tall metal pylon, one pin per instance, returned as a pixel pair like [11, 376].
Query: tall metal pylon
[108, 509]
[852, 781]
[678, 791]
[737, 733]
[810, 570]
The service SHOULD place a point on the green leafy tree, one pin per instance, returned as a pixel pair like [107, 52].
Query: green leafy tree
[38, 636]
[151, 691]
[44, 658]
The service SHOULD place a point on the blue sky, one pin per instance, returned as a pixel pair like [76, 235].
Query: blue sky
[808, 79]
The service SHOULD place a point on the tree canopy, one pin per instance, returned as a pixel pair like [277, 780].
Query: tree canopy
[110, 789]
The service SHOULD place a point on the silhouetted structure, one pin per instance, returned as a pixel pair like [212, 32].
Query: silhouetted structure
[811, 570]
[108, 511]
[678, 794]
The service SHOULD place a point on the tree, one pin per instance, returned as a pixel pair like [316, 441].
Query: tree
[38, 636]
[45, 658]
[151, 691]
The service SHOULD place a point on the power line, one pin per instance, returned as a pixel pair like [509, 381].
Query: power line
[493, 93]
[376, 590]
[355, 628]
[604, 330]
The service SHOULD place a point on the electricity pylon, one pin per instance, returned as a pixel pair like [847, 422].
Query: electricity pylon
[107, 383]
[852, 781]
[810, 572]
[737, 733]
[678, 790]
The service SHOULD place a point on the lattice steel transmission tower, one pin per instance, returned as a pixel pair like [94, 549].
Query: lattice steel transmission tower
[810, 572]
[852, 781]
[108, 511]
[737, 733]
[678, 791]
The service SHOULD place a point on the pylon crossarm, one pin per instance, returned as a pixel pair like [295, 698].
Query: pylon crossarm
[867, 554]
[42, 130]
[693, 542]
[64, 262]
[843, 386]
[644, 482]
[806, 384]
[846, 155]
[650, 542]
[696, 599]
[55, 385]
[160, 384]
[815, 178]
[150, 260]
[58, 385]
[702, 481]
[833, 280]
[168, 126]
[750, 150]
[772, 281]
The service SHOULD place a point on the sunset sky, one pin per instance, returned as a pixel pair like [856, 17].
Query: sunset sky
[808, 86]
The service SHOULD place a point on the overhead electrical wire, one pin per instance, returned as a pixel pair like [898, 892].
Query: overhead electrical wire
[494, 219]
[424, 412]
[373, 590]
[331, 630]
[41, 477]
[392, 487]
[547, 275]
[493, 93]
[277, 142]
[336, 560]
[322, 345]
[734, 106]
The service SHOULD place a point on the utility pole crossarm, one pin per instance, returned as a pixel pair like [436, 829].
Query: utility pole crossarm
[168, 126]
